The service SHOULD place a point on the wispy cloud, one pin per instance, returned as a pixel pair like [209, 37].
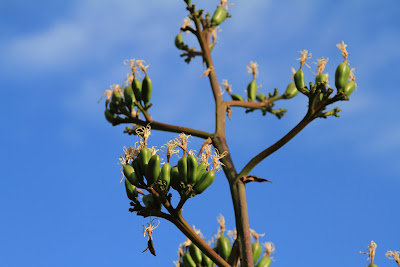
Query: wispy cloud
[83, 35]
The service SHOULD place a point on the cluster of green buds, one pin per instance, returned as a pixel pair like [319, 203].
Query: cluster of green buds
[191, 256]
[210, 25]
[344, 76]
[131, 99]
[143, 169]
[265, 103]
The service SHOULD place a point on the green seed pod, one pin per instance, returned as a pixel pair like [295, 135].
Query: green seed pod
[133, 179]
[236, 97]
[299, 79]
[206, 261]
[147, 89]
[153, 169]
[264, 262]
[206, 180]
[291, 91]
[128, 170]
[257, 249]
[191, 169]
[261, 97]
[175, 180]
[179, 41]
[116, 98]
[200, 170]
[372, 265]
[349, 88]
[150, 202]
[114, 107]
[137, 89]
[129, 97]
[224, 246]
[219, 16]
[341, 76]
[188, 261]
[182, 167]
[165, 175]
[131, 191]
[144, 157]
[195, 253]
[116, 101]
[138, 173]
[321, 78]
[110, 117]
[252, 91]
[129, 173]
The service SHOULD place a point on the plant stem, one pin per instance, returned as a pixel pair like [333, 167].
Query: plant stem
[237, 189]
[169, 128]
[281, 142]
[185, 228]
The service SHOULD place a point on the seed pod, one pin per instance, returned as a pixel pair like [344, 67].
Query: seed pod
[131, 191]
[110, 117]
[206, 261]
[219, 16]
[116, 98]
[341, 76]
[195, 253]
[137, 89]
[179, 41]
[321, 78]
[261, 97]
[236, 97]
[257, 249]
[138, 173]
[191, 169]
[128, 169]
[224, 246]
[129, 97]
[372, 265]
[153, 169]
[151, 203]
[129, 173]
[206, 180]
[188, 261]
[349, 88]
[252, 91]
[182, 167]
[144, 157]
[291, 91]
[200, 170]
[147, 89]
[299, 79]
[175, 180]
[165, 175]
[264, 262]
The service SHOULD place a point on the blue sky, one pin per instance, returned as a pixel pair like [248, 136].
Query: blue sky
[336, 186]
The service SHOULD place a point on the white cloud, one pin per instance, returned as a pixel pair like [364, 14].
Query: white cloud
[94, 29]
[56, 46]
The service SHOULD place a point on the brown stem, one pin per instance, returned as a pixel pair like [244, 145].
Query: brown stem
[185, 228]
[265, 153]
[168, 127]
[237, 191]
[247, 104]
